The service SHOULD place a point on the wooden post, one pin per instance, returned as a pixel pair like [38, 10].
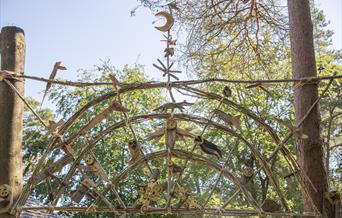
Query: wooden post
[309, 151]
[12, 48]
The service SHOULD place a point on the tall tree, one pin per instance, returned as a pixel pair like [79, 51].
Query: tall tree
[309, 151]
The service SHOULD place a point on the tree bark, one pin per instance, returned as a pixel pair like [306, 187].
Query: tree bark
[12, 45]
[309, 151]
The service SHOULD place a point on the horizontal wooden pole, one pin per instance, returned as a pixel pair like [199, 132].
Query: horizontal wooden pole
[217, 211]
[187, 82]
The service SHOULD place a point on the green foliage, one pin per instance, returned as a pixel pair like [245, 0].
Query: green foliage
[34, 140]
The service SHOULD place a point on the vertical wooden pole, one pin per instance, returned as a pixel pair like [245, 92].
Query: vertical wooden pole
[12, 48]
[309, 151]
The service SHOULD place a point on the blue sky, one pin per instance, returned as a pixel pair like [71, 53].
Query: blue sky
[81, 32]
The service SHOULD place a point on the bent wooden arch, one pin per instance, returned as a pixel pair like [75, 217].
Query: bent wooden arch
[189, 118]
[292, 163]
[181, 154]
[139, 86]
[200, 120]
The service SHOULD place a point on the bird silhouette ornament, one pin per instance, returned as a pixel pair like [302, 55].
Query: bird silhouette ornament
[134, 150]
[208, 147]
[53, 74]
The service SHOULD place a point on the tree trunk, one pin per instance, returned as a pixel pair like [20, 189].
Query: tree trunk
[12, 45]
[309, 151]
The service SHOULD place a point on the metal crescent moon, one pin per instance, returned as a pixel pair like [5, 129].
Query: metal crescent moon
[169, 21]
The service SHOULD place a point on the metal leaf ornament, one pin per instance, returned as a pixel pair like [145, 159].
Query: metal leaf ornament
[156, 135]
[115, 106]
[82, 191]
[208, 147]
[182, 134]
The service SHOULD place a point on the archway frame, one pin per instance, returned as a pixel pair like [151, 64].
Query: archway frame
[279, 145]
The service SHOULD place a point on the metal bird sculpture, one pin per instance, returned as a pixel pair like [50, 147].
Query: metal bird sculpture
[173, 6]
[208, 147]
[176, 168]
[169, 52]
[118, 107]
[134, 150]
[54, 127]
[227, 92]
[114, 80]
[56, 67]
[262, 86]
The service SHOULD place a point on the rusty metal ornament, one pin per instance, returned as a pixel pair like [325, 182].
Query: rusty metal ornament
[208, 147]
[82, 190]
[227, 92]
[56, 67]
[229, 119]
[270, 205]
[94, 166]
[54, 127]
[4, 191]
[6, 198]
[247, 172]
[134, 150]
[89, 160]
[173, 105]
[169, 21]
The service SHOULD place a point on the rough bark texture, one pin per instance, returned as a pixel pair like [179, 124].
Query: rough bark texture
[12, 45]
[309, 151]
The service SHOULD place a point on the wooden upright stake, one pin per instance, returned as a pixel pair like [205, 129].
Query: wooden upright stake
[12, 48]
[309, 151]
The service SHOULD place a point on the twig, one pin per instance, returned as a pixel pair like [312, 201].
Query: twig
[26, 103]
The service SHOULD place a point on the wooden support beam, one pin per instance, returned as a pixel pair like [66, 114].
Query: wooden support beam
[12, 48]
